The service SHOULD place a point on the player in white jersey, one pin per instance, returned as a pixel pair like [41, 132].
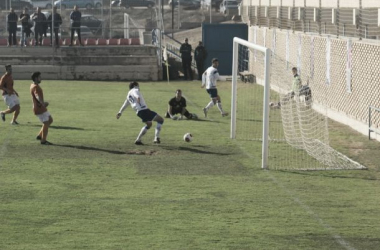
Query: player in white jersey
[137, 102]
[209, 78]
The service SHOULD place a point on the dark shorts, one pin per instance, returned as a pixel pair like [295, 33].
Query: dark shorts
[212, 92]
[146, 115]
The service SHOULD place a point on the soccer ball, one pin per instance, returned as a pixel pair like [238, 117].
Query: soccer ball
[188, 137]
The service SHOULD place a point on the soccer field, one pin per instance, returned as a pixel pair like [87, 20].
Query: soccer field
[95, 189]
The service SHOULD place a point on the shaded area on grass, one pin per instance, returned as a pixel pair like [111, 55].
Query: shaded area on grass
[92, 149]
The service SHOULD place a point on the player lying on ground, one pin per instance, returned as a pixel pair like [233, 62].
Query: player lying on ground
[177, 105]
[137, 102]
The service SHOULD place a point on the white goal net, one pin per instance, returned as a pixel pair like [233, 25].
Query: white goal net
[269, 107]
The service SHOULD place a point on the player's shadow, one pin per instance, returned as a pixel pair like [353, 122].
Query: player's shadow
[60, 127]
[92, 149]
[198, 151]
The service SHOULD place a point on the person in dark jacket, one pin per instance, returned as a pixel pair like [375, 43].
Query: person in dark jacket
[185, 51]
[39, 21]
[75, 18]
[57, 22]
[25, 26]
[12, 19]
[200, 55]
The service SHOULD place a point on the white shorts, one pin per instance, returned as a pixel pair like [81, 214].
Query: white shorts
[11, 100]
[44, 117]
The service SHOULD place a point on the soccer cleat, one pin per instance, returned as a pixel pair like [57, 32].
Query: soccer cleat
[38, 138]
[14, 123]
[224, 114]
[2, 116]
[138, 143]
[205, 112]
[157, 141]
[46, 143]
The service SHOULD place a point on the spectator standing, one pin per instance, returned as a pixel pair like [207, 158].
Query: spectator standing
[10, 96]
[200, 55]
[12, 19]
[39, 21]
[185, 51]
[57, 22]
[75, 18]
[25, 27]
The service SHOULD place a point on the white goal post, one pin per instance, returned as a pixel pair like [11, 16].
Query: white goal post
[281, 111]
[235, 73]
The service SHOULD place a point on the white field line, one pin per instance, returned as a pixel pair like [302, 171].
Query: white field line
[294, 197]
[305, 207]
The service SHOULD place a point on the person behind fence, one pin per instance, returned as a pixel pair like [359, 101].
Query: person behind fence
[297, 88]
[75, 18]
[200, 55]
[39, 21]
[12, 19]
[25, 27]
[185, 51]
[57, 22]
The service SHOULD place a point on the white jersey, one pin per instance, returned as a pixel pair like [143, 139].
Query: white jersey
[209, 77]
[135, 99]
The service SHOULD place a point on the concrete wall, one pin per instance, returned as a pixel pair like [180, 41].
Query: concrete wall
[113, 63]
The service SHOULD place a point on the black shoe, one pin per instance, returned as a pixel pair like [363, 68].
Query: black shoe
[46, 143]
[2, 117]
[157, 141]
[14, 123]
[38, 138]
[138, 143]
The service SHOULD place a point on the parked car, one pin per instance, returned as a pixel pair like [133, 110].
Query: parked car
[188, 4]
[115, 3]
[228, 5]
[45, 4]
[85, 32]
[15, 4]
[93, 23]
[69, 4]
[137, 3]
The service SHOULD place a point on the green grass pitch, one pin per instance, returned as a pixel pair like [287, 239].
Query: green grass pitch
[94, 189]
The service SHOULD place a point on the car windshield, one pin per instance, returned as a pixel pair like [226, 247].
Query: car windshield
[231, 3]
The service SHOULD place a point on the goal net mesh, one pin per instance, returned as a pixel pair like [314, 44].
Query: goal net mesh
[298, 127]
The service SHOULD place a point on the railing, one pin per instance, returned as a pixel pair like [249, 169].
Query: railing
[370, 129]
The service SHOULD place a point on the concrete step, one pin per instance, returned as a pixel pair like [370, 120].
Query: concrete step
[87, 72]
[130, 50]
[77, 60]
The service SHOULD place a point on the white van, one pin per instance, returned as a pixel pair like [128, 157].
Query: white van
[45, 4]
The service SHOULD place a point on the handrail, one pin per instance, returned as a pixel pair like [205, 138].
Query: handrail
[370, 122]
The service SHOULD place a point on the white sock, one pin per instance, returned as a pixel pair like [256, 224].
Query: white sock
[157, 131]
[142, 132]
[220, 107]
[210, 105]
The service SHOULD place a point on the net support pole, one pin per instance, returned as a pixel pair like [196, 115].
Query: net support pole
[264, 164]
[234, 88]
